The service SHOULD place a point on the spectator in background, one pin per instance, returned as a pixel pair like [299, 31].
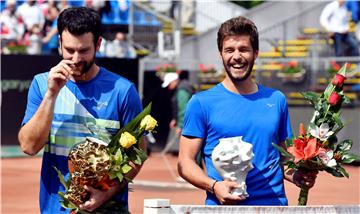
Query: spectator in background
[123, 48]
[12, 29]
[63, 4]
[51, 40]
[119, 47]
[33, 37]
[96, 5]
[335, 19]
[31, 13]
[183, 90]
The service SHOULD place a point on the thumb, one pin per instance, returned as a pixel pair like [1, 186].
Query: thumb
[234, 185]
[89, 188]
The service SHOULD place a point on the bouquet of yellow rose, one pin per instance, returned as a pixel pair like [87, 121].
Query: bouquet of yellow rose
[318, 149]
[98, 164]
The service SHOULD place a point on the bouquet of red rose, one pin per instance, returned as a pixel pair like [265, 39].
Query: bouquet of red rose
[318, 148]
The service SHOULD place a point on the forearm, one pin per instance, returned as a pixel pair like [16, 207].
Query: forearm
[35, 133]
[191, 172]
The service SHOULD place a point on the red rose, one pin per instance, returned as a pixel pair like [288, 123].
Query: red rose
[338, 80]
[293, 64]
[334, 99]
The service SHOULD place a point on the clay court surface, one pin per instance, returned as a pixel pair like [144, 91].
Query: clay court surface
[20, 186]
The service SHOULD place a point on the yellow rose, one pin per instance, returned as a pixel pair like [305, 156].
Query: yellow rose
[127, 140]
[148, 123]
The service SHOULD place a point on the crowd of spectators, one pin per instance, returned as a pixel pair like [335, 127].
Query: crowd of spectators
[30, 26]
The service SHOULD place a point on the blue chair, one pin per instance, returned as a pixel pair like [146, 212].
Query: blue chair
[76, 3]
[139, 17]
[2, 5]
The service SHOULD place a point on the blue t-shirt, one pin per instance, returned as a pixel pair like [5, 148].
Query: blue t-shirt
[53, 43]
[99, 106]
[261, 118]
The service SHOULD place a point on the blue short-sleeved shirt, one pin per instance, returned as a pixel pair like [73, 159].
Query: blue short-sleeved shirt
[261, 118]
[99, 106]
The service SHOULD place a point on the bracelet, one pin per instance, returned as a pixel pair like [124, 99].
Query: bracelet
[213, 186]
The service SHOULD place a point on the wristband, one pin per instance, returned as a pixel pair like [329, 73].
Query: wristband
[213, 186]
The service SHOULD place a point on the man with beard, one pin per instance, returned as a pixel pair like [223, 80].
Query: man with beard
[239, 107]
[70, 102]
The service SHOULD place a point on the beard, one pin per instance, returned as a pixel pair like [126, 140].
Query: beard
[82, 67]
[239, 78]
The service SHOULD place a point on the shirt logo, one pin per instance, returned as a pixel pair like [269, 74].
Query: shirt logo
[270, 105]
[101, 105]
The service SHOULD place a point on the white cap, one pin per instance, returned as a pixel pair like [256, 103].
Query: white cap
[168, 78]
[10, 2]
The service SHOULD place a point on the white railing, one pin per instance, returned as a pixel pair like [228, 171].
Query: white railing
[163, 206]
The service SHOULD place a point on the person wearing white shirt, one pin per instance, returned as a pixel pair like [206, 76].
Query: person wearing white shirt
[335, 19]
[11, 29]
[31, 14]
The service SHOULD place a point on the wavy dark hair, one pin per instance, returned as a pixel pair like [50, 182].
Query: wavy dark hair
[78, 21]
[238, 26]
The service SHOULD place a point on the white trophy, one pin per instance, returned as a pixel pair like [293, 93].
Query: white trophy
[232, 159]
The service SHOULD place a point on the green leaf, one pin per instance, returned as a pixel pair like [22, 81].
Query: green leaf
[289, 142]
[344, 145]
[322, 120]
[312, 126]
[311, 96]
[282, 151]
[137, 160]
[132, 154]
[131, 126]
[142, 155]
[338, 122]
[66, 203]
[349, 158]
[346, 99]
[112, 175]
[118, 157]
[334, 172]
[343, 70]
[120, 176]
[329, 89]
[342, 171]
[126, 168]
[62, 179]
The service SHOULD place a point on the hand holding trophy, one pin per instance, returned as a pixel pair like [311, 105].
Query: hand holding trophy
[232, 158]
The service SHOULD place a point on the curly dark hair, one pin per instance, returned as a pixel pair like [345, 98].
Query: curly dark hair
[238, 26]
[80, 20]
